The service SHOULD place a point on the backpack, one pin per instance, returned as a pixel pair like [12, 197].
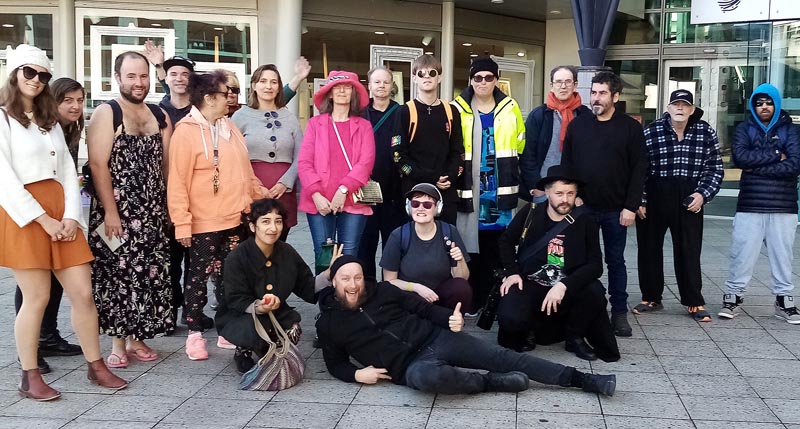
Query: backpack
[405, 235]
[155, 110]
[413, 118]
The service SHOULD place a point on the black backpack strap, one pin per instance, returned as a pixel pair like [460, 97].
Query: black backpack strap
[405, 238]
[159, 114]
[117, 111]
[531, 250]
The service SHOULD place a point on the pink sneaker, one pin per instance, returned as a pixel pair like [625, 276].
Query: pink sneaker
[224, 344]
[196, 347]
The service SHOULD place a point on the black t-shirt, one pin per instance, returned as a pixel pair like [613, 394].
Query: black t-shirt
[426, 262]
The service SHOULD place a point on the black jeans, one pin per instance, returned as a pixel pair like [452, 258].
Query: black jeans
[178, 270]
[386, 217]
[482, 266]
[666, 212]
[49, 330]
[438, 367]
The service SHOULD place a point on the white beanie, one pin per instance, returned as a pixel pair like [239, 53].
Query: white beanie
[25, 54]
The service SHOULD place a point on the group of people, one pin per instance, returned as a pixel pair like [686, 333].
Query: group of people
[200, 189]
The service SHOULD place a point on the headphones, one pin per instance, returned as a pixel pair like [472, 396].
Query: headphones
[423, 188]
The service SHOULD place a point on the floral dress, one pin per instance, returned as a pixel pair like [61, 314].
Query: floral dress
[132, 285]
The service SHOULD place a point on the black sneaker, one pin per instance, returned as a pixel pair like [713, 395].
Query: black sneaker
[44, 367]
[243, 360]
[54, 345]
[731, 306]
[619, 322]
[514, 381]
[603, 384]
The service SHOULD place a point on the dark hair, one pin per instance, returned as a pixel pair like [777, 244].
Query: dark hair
[280, 98]
[572, 69]
[564, 181]
[263, 207]
[129, 54]
[611, 79]
[204, 84]
[45, 109]
[326, 106]
[422, 194]
[60, 87]
[426, 62]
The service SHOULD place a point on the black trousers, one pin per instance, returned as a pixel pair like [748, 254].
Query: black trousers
[482, 266]
[49, 330]
[178, 270]
[580, 315]
[666, 212]
[386, 217]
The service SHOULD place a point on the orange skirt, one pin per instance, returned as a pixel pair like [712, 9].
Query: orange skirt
[31, 247]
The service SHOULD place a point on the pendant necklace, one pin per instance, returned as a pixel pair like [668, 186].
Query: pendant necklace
[429, 105]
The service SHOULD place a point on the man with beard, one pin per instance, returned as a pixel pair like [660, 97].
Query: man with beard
[552, 285]
[607, 152]
[399, 336]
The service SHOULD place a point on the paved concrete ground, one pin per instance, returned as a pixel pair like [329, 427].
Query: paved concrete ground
[673, 373]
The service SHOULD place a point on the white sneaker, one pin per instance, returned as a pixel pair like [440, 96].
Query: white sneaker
[788, 312]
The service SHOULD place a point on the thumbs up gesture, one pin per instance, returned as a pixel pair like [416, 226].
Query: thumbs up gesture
[456, 321]
[455, 252]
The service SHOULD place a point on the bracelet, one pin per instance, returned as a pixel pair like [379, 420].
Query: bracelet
[410, 287]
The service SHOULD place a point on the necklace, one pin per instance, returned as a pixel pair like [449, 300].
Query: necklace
[429, 105]
[29, 114]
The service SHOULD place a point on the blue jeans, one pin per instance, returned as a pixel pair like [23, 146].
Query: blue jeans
[750, 230]
[438, 367]
[614, 238]
[344, 228]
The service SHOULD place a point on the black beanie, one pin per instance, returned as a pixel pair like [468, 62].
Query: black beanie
[343, 260]
[483, 64]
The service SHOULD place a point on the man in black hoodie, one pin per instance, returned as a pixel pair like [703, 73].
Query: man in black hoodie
[399, 336]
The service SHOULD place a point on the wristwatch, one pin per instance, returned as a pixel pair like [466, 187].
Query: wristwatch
[343, 189]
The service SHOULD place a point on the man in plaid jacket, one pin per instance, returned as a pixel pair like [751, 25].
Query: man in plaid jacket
[685, 173]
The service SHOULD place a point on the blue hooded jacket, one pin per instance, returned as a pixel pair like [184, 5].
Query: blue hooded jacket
[769, 156]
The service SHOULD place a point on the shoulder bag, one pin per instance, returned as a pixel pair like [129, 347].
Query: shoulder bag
[370, 193]
[281, 367]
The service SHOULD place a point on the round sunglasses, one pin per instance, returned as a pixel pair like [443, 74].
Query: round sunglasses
[427, 73]
[30, 73]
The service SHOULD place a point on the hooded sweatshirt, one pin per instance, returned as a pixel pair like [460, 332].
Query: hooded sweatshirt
[769, 156]
[193, 205]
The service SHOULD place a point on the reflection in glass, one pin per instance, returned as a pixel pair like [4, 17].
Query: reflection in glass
[34, 30]
[678, 29]
[632, 30]
[639, 88]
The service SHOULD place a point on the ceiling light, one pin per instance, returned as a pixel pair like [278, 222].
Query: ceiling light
[218, 28]
[466, 44]
[380, 33]
[497, 1]
[428, 52]
[555, 12]
[520, 54]
[8, 25]
[473, 55]
[155, 24]
[427, 40]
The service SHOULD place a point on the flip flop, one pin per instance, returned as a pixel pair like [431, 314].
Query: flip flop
[116, 361]
[699, 314]
[647, 307]
[142, 354]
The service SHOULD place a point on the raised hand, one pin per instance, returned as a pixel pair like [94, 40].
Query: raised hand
[456, 321]
[455, 252]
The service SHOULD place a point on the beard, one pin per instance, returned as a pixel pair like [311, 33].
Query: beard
[341, 297]
[563, 208]
[126, 92]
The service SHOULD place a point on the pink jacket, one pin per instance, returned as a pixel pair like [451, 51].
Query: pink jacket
[314, 163]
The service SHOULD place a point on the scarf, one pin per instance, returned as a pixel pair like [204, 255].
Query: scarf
[565, 108]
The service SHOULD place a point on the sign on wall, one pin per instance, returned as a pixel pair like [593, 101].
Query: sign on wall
[717, 11]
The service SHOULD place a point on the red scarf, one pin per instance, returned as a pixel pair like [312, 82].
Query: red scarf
[565, 108]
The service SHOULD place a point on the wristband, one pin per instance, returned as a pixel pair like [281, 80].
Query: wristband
[410, 287]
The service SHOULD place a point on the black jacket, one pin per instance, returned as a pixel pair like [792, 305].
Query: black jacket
[386, 332]
[249, 275]
[583, 261]
[538, 135]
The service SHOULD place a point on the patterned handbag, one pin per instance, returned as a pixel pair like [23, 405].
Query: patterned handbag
[369, 194]
[280, 368]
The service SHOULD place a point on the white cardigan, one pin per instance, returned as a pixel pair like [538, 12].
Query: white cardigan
[29, 155]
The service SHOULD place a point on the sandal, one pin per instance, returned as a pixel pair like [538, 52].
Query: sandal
[699, 314]
[647, 307]
[143, 354]
[116, 361]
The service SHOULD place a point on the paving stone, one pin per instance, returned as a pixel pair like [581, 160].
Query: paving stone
[674, 333]
[483, 401]
[290, 415]
[728, 408]
[753, 336]
[324, 391]
[711, 385]
[767, 367]
[179, 363]
[637, 404]
[621, 422]
[701, 424]
[749, 349]
[82, 423]
[68, 407]
[383, 417]
[390, 394]
[636, 346]
[697, 365]
[178, 385]
[29, 422]
[8, 397]
[213, 412]
[663, 319]
[631, 363]
[787, 410]
[316, 370]
[562, 421]
[644, 382]
[686, 348]
[449, 418]
[227, 387]
[556, 353]
[133, 408]
[552, 399]
[772, 387]
[786, 336]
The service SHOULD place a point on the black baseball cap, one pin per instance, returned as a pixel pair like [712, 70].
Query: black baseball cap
[425, 188]
[179, 61]
[681, 95]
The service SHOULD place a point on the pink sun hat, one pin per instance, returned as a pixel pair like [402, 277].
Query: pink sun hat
[338, 77]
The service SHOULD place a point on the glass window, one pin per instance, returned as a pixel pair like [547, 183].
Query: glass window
[785, 65]
[34, 30]
[639, 88]
[675, 4]
[653, 4]
[678, 29]
[632, 30]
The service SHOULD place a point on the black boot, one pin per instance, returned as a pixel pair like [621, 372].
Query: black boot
[603, 384]
[619, 321]
[54, 345]
[514, 381]
[530, 342]
[243, 360]
[43, 366]
[580, 348]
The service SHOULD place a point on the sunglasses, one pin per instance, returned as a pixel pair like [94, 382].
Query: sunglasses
[234, 90]
[478, 78]
[30, 73]
[760, 103]
[427, 73]
[416, 203]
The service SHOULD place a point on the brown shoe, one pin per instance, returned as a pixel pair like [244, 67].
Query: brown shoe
[33, 386]
[100, 375]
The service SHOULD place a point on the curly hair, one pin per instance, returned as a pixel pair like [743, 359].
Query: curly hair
[263, 207]
[204, 84]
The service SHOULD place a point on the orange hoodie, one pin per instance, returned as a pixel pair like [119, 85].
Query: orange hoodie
[193, 205]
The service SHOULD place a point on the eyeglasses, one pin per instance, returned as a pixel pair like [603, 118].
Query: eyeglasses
[234, 90]
[271, 121]
[416, 203]
[30, 73]
[427, 73]
[560, 83]
[478, 78]
[760, 103]
[225, 93]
